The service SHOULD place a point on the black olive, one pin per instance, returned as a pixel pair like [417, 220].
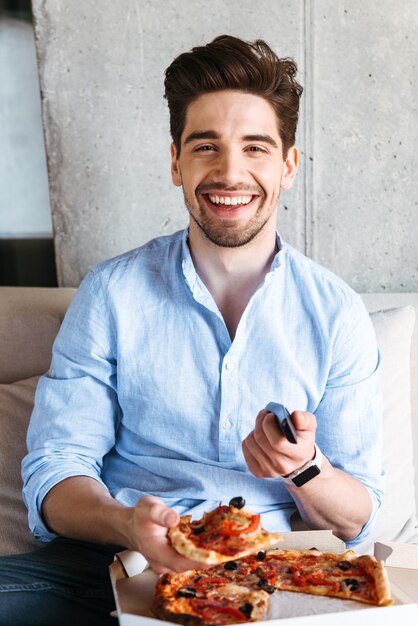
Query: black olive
[196, 580]
[263, 584]
[261, 555]
[289, 570]
[231, 565]
[343, 565]
[246, 610]
[237, 502]
[186, 592]
[164, 580]
[352, 583]
[196, 530]
[313, 548]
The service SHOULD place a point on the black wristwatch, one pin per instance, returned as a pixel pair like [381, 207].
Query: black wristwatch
[305, 473]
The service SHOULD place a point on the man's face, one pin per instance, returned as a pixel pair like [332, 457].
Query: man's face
[231, 166]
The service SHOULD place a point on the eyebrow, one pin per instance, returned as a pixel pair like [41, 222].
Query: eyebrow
[262, 138]
[206, 134]
[211, 134]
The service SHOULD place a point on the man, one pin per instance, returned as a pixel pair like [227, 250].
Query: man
[153, 405]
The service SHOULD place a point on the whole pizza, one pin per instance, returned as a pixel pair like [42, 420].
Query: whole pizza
[236, 589]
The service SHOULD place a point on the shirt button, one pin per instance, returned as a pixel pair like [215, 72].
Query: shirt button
[226, 425]
[229, 366]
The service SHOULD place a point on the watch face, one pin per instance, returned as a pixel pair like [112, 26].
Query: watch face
[305, 476]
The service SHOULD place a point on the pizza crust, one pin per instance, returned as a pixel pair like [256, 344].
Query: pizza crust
[291, 555]
[376, 570]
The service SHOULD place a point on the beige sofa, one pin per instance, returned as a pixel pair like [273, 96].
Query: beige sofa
[30, 319]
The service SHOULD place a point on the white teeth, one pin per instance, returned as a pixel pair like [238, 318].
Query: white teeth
[227, 200]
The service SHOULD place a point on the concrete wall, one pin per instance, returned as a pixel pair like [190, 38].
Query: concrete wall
[354, 207]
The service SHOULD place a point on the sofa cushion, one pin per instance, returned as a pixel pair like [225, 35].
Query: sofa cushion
[383, 301]
[396, 519]
[30, 318]
[16, 402]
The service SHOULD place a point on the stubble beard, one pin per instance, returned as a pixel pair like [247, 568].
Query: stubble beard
[228, 234]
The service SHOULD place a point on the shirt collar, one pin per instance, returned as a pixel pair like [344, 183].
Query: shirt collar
[195, 284]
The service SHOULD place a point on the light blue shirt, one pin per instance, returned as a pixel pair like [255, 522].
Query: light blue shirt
[147, 394]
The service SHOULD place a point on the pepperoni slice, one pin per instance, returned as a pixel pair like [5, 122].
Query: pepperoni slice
[209, 609]
[230, 528]
[213, 581]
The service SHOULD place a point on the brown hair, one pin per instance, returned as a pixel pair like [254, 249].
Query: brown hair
[230, 63]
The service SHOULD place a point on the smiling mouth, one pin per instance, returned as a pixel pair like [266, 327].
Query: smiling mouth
[229, 201]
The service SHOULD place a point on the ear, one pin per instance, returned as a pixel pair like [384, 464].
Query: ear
[175, 167]
[290, 168]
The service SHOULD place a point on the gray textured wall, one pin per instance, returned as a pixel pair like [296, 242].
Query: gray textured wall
[354, 207]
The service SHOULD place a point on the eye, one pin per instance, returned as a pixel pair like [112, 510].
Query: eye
[204, 148]
[256, 149]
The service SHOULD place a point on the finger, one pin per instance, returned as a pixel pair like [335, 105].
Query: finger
[158, 568]
[181, 564]
[272, 430]
[259, 462]
[172, 565]
[261, 414]
[304, 421]
[266, 442]
[160, 554]
[156, 511]
[165, 559]
[170, 559]
[264, 460]
[251, 461]
[270, 438]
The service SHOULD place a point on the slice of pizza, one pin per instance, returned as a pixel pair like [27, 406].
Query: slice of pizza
[195, 600]
[226, 533]
[346, 576]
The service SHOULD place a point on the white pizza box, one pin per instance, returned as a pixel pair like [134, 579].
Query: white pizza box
[133, 586]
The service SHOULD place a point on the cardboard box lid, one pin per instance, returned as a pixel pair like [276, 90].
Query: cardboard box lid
[403, 555]
[401, 560]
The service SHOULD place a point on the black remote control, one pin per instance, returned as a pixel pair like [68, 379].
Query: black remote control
[283, 419]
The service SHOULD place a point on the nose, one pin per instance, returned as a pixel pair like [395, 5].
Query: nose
[229, 167]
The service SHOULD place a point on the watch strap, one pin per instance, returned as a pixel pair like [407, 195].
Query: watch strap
[305, 473]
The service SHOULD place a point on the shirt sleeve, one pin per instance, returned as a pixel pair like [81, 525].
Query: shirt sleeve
[76, 412]
[352, 405]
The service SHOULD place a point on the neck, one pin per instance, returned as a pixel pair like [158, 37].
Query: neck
[217, 264]
[232, 275]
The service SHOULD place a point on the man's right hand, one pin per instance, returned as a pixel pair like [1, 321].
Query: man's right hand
[150, 520]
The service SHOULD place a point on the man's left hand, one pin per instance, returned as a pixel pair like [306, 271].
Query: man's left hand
[267, 452]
